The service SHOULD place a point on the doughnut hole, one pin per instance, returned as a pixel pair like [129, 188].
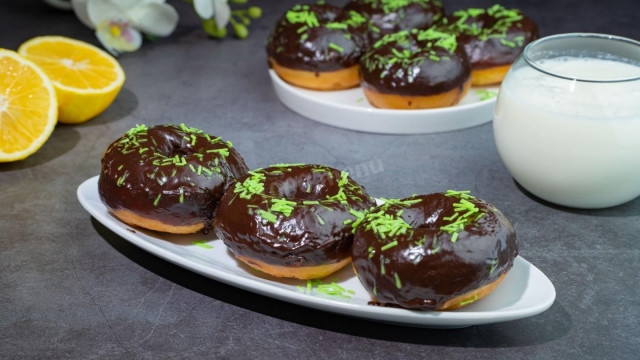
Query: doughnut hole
[310, 187]
[171, 145]
[416, 216]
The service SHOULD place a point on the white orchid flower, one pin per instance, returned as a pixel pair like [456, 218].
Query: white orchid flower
[217, 9]
[119, 23]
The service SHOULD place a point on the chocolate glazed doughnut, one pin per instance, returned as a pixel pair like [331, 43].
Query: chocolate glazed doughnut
[493, 38]
[433, 252]
[317, 47]
[391, 16]
[292, 220]
[415, 70]
[167, 178]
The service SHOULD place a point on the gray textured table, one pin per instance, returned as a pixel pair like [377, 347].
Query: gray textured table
[70, 288]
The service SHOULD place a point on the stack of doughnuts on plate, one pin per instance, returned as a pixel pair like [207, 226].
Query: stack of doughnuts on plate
[404, 54]
[433, 252]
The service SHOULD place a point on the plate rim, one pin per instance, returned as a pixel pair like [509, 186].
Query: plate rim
[383, 121]
[405, 317]
[274, 76]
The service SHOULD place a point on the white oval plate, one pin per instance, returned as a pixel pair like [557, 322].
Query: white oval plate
[525, 291]
[350, 109]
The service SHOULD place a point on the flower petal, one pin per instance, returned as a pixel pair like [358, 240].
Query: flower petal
[154, 18]
[100, 11]
[118, 37]
[204, 8]
[80, 9]
[126, 5]
[222, 12]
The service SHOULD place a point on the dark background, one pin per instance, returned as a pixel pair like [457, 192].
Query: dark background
[70, 288]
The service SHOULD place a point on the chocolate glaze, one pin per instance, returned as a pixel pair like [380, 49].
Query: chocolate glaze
[173, 174]
[331, 43]
[387, 18]
[429, 69]
[312, 234]
[494, 37]
[430, 272]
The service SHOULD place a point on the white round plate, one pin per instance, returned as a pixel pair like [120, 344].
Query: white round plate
[349, 109]
[525, 290]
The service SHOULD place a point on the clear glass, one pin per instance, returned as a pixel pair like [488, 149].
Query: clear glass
[567, 120]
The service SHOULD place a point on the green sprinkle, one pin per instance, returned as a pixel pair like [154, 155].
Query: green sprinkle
[181, 194]
[389, 245]
[223, 152]
[122, 178]
[336, 47]
[360, 100]
[508, 43]
[284, 206]
[190, 129]
[475, 12]
[385, 224]
[449, 218]
[136, 130]
[460, 194]
[469, 301]
[202, 244]
[287, 165]
[320, 219]
[331, 289]
[397, 278]
[306, 17]
[311, 202]
[486, 94]
[120, 167]
[268, 216]
[155, 202]
[254, 184]
[336, 25]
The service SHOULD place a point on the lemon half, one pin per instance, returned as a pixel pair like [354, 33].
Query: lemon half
[86, 78]
[28, 107]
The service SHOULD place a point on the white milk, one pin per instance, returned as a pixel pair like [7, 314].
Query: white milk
[573, 143]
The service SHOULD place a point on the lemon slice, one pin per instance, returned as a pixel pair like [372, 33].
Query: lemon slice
[28, 107]
[86, 79]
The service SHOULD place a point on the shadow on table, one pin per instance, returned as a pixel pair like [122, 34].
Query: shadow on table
[123, 105]
[65, 136]
[548, 326]
[631, 208]
[62, 140]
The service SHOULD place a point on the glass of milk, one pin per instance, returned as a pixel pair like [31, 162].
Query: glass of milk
[567, 120]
